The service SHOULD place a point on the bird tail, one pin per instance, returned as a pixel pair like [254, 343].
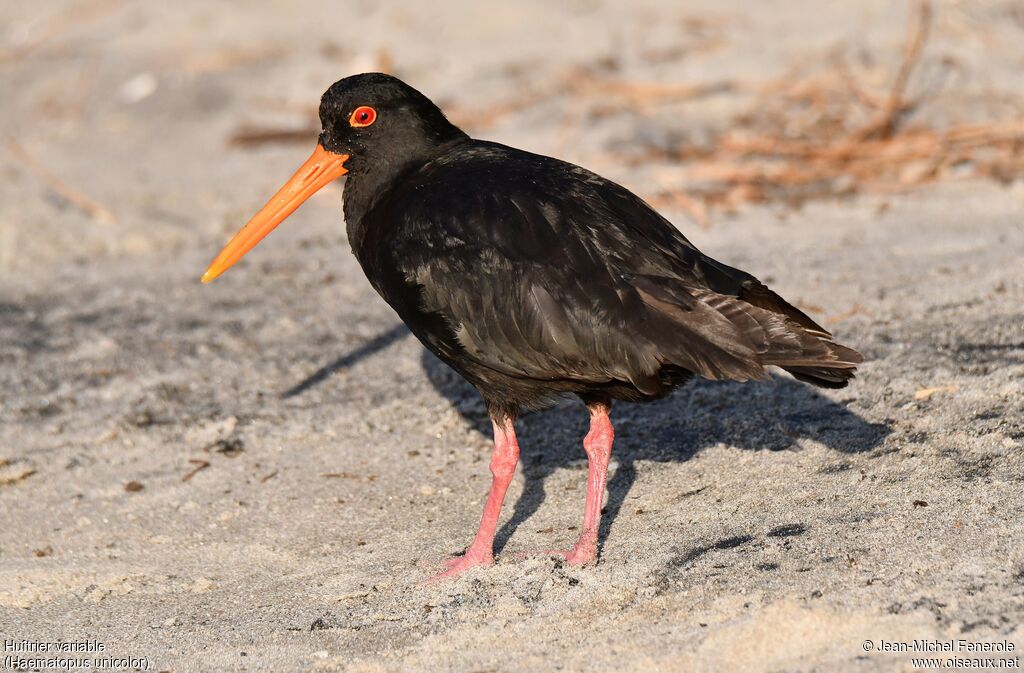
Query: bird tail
[826, 376]
[823, 377]
[830, 365]
[737, 336]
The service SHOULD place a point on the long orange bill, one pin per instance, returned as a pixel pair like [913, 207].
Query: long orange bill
[321, 168]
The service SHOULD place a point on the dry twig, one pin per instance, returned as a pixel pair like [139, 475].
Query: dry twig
[897, 106]
[252, 136]
[200, 465]
[76, 198]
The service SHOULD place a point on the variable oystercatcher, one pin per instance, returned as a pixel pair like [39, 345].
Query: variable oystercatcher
[534, 278]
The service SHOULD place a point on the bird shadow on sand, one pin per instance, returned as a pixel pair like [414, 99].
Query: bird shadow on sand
[772, 415]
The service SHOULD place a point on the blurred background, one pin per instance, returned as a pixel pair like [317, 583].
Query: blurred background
[140, 128]
[258, 472]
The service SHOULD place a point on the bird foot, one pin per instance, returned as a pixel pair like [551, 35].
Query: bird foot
[458, 564]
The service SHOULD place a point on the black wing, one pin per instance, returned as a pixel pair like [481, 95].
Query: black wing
[545, 271]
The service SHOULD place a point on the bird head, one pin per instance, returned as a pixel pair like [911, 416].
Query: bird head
[372, 123]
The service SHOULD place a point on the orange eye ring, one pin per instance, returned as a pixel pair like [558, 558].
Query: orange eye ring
[364, 115]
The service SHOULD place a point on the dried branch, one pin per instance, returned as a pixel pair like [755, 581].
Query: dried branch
[253, 136]
[200, 465]
[73, 196]
[896, 105]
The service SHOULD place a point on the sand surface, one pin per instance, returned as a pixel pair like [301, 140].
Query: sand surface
[767, 527]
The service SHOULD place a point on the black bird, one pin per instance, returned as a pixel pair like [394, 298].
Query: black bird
[534, 278]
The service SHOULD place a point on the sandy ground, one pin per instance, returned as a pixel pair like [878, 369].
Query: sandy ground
[768, 527]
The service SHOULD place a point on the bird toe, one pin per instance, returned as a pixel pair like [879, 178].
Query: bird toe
[459, 564]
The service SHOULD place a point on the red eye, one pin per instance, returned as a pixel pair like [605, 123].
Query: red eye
[363, 115]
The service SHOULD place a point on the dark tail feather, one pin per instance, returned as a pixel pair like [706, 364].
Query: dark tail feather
[823, 377]
[720, 336]
[832, 369]
[822, 362]
[830, 365]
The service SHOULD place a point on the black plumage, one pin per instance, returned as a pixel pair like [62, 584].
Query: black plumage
[535, 278]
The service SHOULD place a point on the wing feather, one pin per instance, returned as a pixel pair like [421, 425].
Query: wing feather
[564, 275]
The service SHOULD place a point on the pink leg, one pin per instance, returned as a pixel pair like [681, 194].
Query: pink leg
[503, 468]
[598, 444]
